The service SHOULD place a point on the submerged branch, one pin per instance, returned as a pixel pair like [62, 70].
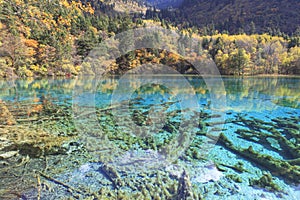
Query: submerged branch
[70, 188]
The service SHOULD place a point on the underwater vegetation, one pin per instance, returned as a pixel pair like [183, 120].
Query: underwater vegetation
[48, 136]
[44, 154]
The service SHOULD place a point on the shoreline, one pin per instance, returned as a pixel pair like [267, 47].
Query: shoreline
[153, 75]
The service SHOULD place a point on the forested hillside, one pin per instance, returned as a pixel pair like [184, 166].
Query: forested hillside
[237, 16]
[52, 38]
[110, 7]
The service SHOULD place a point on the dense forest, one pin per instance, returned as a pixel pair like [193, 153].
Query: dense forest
[275, 17]
[52, 38]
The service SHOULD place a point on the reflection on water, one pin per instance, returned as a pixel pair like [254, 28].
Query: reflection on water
[149, 134]
[237, 89]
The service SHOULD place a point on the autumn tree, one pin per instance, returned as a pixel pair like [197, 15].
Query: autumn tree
[239, 60]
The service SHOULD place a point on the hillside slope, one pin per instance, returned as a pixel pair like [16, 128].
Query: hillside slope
[236, 15]
[165, 3]
[112, 7]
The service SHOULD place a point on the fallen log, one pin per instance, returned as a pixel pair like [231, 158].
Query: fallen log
[278, 167]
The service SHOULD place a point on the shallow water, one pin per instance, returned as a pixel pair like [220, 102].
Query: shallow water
[147, 136]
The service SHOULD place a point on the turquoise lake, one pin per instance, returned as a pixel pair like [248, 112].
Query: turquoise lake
[150, 137]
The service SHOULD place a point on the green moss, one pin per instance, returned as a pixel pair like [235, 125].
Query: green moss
[193, 153]
[266, 181]
[276, 166]
[235, 178]
[280, 129]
